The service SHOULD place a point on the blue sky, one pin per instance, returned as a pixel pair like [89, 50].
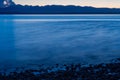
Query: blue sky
[95, 3]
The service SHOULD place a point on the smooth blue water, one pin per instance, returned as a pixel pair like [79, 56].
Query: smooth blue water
[59, 38]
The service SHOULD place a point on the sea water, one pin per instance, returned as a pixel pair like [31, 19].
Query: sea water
[48, 39]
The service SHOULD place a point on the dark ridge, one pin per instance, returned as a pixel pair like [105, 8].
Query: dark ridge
[56, 9]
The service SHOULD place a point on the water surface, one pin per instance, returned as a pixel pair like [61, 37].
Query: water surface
[60, 39]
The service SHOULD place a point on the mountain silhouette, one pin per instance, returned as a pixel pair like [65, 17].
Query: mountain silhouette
[56, 9]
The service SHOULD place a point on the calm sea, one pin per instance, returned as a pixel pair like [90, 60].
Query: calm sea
[49, 39]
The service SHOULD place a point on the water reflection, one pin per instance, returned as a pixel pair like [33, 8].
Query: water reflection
[7, 48]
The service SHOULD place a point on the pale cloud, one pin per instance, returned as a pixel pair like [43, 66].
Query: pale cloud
[96, 3]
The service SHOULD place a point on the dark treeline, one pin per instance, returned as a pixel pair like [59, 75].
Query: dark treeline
[56, 9]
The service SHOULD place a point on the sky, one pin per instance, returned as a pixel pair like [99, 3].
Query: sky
[95, 3]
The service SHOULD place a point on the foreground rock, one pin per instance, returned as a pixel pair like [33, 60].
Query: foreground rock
[108, 71]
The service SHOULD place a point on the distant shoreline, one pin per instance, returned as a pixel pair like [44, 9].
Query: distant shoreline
[57, 9]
